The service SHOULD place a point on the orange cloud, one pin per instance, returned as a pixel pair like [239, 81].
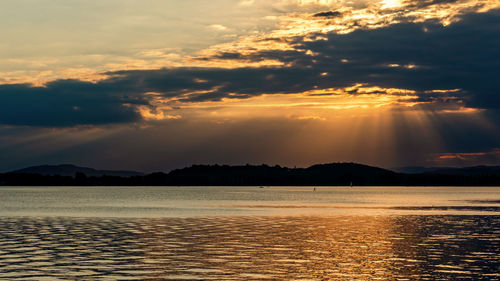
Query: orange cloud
[469, 155]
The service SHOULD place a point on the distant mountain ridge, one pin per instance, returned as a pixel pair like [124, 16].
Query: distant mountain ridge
[69, 170]
[476, 170]
[465, 171]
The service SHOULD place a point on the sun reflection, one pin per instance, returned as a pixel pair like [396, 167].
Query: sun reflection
[258, 248]
[359, 247]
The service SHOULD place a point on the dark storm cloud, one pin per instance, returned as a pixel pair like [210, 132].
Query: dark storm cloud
[464, 55]
[220, 83]
[66, 103]
[426, 3]
[424, 56]
[329, 14]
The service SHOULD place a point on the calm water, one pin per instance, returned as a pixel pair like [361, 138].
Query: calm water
[249, 233]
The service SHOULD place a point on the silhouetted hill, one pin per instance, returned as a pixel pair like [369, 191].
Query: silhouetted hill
[326, 174]
[336, 174]
[71, 170]
[349, 172]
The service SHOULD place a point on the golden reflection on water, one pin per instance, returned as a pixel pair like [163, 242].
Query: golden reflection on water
[251, 248]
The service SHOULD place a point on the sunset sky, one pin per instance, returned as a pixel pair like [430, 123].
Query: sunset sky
[154, 85]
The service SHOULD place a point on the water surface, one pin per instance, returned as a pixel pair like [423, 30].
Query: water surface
[249, 233]
[207, 201]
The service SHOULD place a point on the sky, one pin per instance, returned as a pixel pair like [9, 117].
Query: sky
[155, 85]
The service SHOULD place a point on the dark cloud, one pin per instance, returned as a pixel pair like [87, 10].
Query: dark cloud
[463, 55]
[329, 14]
[66, 103]
[220, 83]
[426, 3]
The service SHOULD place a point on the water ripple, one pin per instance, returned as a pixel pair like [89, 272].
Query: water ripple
[251, 248]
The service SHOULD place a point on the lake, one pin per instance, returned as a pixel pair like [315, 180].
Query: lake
[250, 233]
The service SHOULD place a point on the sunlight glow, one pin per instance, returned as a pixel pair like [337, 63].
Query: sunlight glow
[389, 4]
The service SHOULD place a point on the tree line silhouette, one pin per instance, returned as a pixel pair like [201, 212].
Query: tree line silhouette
[338, 174]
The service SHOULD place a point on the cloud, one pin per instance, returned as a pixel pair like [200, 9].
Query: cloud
[462, 56]
[67, 103]
[491, 157]
[387, 88]
[246, 3]
[218, 27]
[422, 56]
[329, 14]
